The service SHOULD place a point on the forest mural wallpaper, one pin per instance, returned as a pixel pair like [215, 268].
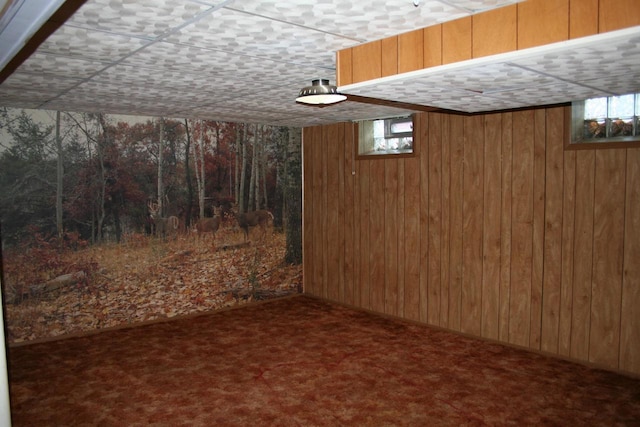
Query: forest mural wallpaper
[110, 220]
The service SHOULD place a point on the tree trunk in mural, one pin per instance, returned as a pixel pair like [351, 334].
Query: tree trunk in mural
[59, 177]
[161, 209]
[198, 157]
[187, 174]
[293, 198]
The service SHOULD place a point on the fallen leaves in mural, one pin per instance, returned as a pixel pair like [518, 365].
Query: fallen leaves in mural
[148, 279]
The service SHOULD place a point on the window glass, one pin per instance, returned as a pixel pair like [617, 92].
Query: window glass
[385, 136]
[605, 119]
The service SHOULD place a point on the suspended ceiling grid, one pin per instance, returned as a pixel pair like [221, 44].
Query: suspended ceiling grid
[246, 60]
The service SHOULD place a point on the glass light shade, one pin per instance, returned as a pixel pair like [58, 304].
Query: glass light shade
[320, 93]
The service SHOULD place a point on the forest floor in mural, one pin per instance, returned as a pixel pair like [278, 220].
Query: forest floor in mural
[146, 279]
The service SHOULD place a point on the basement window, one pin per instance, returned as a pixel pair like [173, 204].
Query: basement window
[390, 136]
[607, 119]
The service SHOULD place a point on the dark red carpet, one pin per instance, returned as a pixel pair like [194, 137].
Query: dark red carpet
[304, 362]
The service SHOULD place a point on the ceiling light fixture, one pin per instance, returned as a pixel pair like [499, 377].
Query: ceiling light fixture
[320, 93]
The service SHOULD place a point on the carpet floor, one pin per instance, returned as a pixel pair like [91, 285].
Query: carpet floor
[305, 362]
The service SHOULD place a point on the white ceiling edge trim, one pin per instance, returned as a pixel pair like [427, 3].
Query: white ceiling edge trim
[493, 59]
[22, 20]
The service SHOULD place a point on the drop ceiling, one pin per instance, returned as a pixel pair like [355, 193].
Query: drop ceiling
[246, 61]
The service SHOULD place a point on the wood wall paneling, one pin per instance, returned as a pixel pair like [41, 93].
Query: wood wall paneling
[390, 56]
[617, 14]
[326, 233]
[493, 230]
[583, 18]
[456, 40]
[608, 244]
[412, 238]
[367, 61]
[434, 196]
[506, 137]
[542, 22]
[491, 244]
[472, 228]
[630, 320]
[491, 39]
[551, 284]
[391, 231]
[399, 309]
[432, 45]
[505, 29]
[568, 233]
[445, 221]
[583, 254]
[521, 228]
[348, 204]
[539, 170]
[364, 169]
[456, 196]
[410, 51]
[377, 261]
[422, 123]
[344, 67]
[333, 141]
[319, 208]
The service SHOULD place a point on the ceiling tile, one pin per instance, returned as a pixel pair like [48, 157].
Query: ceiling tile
[140, 18]
[250, 35]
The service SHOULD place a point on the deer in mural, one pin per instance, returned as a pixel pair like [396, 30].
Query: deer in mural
[162, 226]
[209, 225]
[255, 218]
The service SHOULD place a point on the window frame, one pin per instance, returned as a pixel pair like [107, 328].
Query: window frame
[386, 154]
[575, 134]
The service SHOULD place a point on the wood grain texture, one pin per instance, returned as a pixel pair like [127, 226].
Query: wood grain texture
[630, 320]
[491, 39]
[390, 236]
[366, 61]
[410, 51]
[491, 237]
[432, 55]
[456, 132]
[400, 267]
[583, 254]
[377, 262]
[568, 233]
[505, 225]
[322, 160]
[344, 67]
[446, 221]
[456, 40]
[618, 14]
[333, 140]
[412, 240]
[348, 203]
[539, 170]
[608, 245]
[318, 211]
[522, 229]
[390, 58]
[542, 22]
[364, 175]
[435, 217]
[471, 298]
[493, 230]
[422, 124]
[583, 18]
[552, 232]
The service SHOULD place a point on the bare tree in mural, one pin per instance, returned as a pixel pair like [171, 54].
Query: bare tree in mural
[199, 167]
